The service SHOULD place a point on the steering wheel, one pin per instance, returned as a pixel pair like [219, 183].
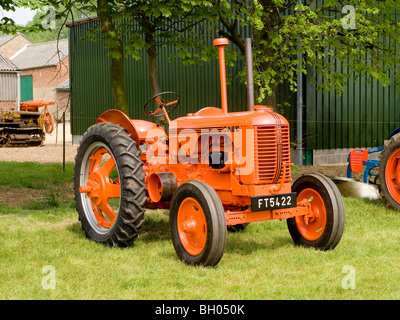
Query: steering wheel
[161, 105]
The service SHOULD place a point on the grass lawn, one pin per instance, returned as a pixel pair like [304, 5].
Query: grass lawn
[259, 263]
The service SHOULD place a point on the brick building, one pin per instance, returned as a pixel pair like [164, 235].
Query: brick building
[10, 44]
[44, 67]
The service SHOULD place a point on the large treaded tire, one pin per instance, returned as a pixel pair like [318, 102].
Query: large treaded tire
[130, 215]
[390, 147]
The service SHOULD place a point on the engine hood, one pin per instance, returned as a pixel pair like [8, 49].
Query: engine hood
[212, 117]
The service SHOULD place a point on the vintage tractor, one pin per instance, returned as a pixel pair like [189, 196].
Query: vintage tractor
[26, 127]
[215, 171]
[384, 173]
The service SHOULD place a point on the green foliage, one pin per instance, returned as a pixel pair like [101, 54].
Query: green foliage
[164, 23]
[281, 29]
[320, 34]
[59, 30]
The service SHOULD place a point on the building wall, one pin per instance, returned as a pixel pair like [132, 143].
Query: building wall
[8, 105]
[45, 80]
[362, 117]
[198, 85]
[63, 101]
[8, 90]
[48, 77]
[14, 45]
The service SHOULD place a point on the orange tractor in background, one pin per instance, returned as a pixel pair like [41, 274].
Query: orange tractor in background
[214, 170]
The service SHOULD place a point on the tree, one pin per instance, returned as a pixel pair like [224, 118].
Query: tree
[146, 25]
[149, 25]
[363, 36]
[55, 29]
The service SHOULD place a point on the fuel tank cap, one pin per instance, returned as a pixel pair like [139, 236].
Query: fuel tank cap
[261, 108]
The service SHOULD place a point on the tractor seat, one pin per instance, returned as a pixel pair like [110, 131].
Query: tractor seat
[357, 158]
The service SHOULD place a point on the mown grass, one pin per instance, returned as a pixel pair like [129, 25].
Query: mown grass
[259, 263]
[32, 175]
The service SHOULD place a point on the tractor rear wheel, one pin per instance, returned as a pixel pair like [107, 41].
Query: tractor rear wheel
[389, 172]
[323, 228]
[109, 185]
[198, 224]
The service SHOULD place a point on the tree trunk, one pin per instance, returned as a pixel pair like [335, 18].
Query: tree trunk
[153, 73]
[117, 70]
[152, 56]
[261, 44]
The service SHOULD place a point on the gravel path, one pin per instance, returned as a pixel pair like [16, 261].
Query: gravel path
[44, 154]
[50, 152]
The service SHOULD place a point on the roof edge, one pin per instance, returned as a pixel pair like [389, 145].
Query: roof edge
[81, 21]
[12, 66]
[18, 34]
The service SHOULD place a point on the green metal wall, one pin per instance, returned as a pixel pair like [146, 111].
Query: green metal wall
[363, 116]
[198, 85]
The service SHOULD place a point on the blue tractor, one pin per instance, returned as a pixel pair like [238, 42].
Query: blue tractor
[385, 172]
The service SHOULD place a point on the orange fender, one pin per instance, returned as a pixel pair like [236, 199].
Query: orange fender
[118, 117]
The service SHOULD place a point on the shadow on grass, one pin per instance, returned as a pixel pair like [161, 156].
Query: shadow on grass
[238, 245]
[153, 229]
[156, 229]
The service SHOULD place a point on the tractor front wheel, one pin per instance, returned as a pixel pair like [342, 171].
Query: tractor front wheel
[388, 178]
[197, 224]
[109, 185]
[323, 227]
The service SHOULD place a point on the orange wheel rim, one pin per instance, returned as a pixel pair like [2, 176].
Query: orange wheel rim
[48, 123]
[192, 226]
[312, 226]
[100, 188]
[392, 175]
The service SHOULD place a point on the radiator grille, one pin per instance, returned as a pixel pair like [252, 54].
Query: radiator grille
[272, 150]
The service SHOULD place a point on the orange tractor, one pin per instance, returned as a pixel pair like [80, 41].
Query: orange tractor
[214, 170]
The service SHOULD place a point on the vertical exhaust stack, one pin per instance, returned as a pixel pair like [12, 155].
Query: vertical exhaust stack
[249, 69]
[221, 43]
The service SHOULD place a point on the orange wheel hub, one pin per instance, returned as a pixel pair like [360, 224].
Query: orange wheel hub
[48, 123]
[392, 175]
[192, 226]
[312, 226]
[100, 188]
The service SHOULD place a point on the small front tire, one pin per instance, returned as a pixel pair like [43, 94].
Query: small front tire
[324, 227]
[198, 224]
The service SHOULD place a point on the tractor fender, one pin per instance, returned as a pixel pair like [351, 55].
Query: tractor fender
[120, 118]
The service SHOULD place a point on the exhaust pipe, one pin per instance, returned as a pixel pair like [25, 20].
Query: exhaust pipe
[221, 43]
[249, 69]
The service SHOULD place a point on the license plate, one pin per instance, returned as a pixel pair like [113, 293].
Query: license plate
[279, 201]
